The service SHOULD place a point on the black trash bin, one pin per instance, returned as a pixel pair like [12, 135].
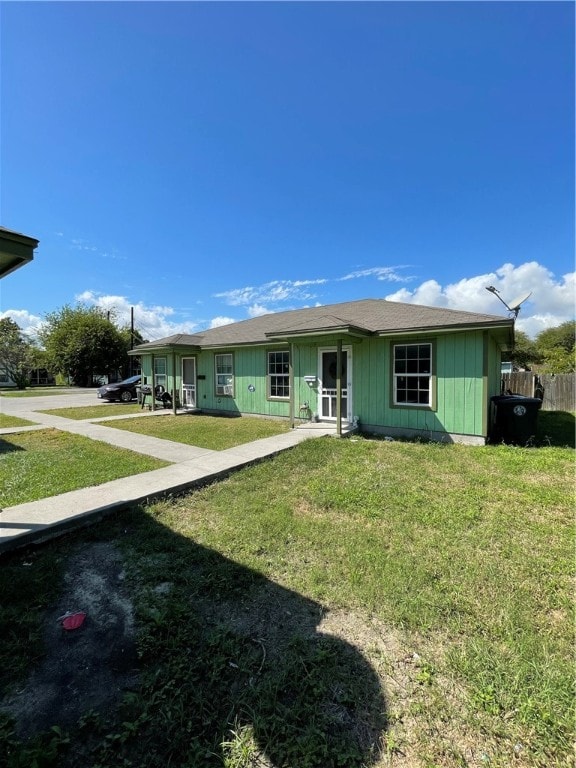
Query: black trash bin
[514, 418]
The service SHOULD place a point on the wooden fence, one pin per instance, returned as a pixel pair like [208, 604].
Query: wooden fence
[558, 391]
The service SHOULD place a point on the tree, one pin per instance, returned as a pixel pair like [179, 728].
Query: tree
[17, 353]
[81, 342]
[525, 352]
[556, 347]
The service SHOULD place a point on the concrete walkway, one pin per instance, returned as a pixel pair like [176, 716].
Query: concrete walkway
[190, 466]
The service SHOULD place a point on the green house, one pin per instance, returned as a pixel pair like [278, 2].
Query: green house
[384, 367]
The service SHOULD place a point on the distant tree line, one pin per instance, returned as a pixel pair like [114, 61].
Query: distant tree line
[552, 351]
[80, 343]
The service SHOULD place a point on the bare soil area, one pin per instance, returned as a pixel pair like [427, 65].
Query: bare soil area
[87, 668]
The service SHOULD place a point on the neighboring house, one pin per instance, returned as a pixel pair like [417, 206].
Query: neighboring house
[16, 250]
[391, 368]
[37, 377]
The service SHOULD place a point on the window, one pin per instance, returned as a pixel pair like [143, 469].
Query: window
[224, 374]
[160, 378]
[4, 378]
[279, 374]
[412, 374]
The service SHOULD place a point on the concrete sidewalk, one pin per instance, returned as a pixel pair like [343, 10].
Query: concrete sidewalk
[35, 521]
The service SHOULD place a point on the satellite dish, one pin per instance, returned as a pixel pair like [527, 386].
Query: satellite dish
[514, 306]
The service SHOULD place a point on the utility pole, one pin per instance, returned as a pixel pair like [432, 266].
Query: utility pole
[131, 340]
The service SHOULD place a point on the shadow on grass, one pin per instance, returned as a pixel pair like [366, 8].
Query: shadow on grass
[556, 428]
[8, 447]
[185, 658]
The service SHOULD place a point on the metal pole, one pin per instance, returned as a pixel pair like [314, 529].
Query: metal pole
[131, 340]
[339, 387]
[174, 382]
[153, 395]
[291, 383]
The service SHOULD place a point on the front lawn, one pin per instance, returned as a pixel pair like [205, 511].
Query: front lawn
[35, 465]
[216, 433]
[97, 411]
[347, 603]
[13, 421]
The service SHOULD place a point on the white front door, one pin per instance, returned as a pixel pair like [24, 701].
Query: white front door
[328, 385]
[189, 382]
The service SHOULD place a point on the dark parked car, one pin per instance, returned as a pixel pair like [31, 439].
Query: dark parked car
[121, 390]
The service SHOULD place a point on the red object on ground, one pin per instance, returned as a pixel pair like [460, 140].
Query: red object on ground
[74, 621]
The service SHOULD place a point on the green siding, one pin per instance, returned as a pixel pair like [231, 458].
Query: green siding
[466, 374]
[458, 371]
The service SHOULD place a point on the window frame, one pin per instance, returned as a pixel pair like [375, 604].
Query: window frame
[395, 375]
[160, 379]
[219, 388]
[270, 377]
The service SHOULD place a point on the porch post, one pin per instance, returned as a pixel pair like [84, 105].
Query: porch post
[174, 382]
[153, 395]
[291, 383]
[339, 387]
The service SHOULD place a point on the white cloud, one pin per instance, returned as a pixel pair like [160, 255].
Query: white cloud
[270, 293]
[152, 321]
[257, 310]
[216, 322]
[27, 322]
[551, 303]
[318, 281]
[257, 297]
[81, 245]
[380, 273]
[429, 294]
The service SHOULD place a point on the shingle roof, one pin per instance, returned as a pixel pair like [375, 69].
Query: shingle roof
[364, 317]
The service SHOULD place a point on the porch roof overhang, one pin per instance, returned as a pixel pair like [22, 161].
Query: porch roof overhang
[180, 342]
[320, 336]
[16, 250]
[152, 349]
[327, 325]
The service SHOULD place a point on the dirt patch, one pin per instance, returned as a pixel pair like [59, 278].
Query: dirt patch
[88, 668]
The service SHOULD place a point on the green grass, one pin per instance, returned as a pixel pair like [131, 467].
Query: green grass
[216, 433]
[35, 465]
[442, 573]
[556, 428]
[213, 432]
[13, 421]
[37, 391]
[96, 411]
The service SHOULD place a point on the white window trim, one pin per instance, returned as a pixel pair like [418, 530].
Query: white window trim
[161, 379]
[227, 389]
[270, 376]
[396, 376]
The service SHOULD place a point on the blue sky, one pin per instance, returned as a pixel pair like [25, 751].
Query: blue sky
[209, 162]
